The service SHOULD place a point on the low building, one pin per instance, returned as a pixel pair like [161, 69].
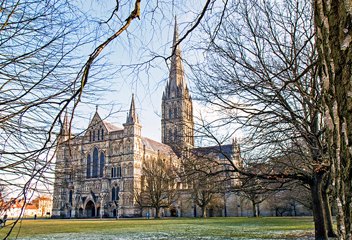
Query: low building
[38, 207]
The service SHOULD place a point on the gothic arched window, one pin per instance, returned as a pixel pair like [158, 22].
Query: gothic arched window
[70, 197]
[117, 193]
[102, 134]
[113, 194]
[98, 135]
[175, 135]
[175, 112]
[102, 163]
[170, 113]
[130, 169]
[170, 135]
[93, 135]
[89, 165]
[95, 163]
[119, 171]
[90, 136]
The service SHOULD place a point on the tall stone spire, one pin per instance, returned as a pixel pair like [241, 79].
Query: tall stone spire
[177, 112]
[132, 115]
[65, 128]
[132, 126]
[176, 77]
[66, 124]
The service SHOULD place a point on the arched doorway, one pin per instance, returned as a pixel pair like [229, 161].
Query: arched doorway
[173, 212]
[98, 212]
[211, 212]
[80, 212]
[90, 209]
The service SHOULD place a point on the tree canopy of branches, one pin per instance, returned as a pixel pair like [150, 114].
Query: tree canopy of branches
[289, 200]
[39, 65]
[257, 191]
[42, 73]
[45, 69]
[260, 72]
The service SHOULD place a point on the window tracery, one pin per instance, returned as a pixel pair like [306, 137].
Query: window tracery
[89, 163]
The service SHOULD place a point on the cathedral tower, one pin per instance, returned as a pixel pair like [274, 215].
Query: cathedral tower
[177, 124]
[62, 169]
[132, 125]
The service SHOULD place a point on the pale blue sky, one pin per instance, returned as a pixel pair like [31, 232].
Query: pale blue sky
[150, 36]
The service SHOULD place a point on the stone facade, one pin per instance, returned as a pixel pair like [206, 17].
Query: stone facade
[98, 174]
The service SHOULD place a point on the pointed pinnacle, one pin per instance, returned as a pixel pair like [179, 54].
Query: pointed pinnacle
[132, 116]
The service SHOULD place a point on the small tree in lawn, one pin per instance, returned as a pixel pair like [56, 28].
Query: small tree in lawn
[257, 191]
[206, 189]
[158, 184]
[206, 172]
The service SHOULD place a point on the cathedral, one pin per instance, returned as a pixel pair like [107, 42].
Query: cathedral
[98, 173]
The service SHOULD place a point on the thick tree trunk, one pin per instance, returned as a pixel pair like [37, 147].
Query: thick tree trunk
[157, 212]
[334, 45]
[327, 210]
[204, 212]
[318, 207]
[225, 206]
[254, 209]
[294, 209]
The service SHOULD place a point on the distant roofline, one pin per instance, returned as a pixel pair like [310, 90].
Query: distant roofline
[220, 150]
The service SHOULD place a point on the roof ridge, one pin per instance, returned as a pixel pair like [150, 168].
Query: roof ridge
[111, 127]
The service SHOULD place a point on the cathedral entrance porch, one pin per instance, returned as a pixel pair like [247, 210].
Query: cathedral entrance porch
[99, 214]
[114, 213]
[173, 212]
[90, 209]
[80, 212]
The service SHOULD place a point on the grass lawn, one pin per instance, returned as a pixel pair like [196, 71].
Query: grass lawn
[177, 228]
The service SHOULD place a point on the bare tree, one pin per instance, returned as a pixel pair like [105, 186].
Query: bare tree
[205, 190]
[206, 171]
[158, 185]
[257, 191]
[39, 64]
[291, 200]
[34, 92]
[260, 73]
[334, 34]
[43, 73]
